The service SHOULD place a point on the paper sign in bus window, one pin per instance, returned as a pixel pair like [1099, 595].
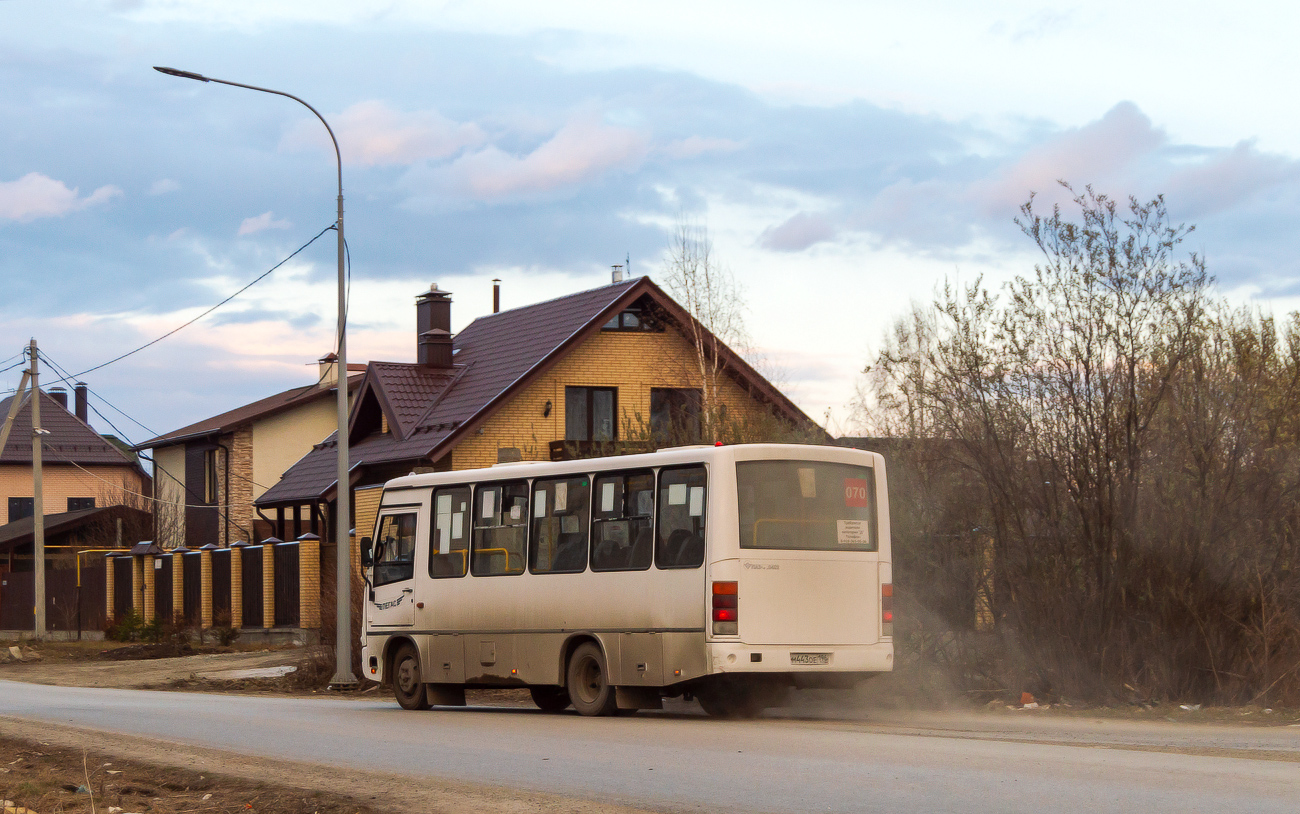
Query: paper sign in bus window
[561, 496]
[853, 532]
[808, 482]
[697, 501]
[444, 527]
[607, 496]
[489, 503]
[458, 526]
[444, 504]
[516, 511]
[676, 494]
[855, 493]
[539, 504]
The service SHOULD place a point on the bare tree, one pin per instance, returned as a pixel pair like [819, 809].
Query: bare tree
[710, 293]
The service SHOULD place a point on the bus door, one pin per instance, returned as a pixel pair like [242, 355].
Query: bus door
[392, 595]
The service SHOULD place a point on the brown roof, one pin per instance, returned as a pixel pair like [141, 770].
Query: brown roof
[70, 439]
[227, 421]
[494, 357]
[22, 532]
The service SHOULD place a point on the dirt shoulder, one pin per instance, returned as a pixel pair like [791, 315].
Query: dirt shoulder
[237, 783]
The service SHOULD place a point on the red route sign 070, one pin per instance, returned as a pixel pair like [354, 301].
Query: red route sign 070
[855, 493]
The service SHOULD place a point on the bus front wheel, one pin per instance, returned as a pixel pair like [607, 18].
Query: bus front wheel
[588, 682]
[407, 684]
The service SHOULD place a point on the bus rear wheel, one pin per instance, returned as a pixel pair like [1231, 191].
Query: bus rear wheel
[588, 682]
[550, 699]
[407, 685]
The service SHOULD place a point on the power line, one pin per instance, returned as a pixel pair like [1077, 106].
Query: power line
[210, 310]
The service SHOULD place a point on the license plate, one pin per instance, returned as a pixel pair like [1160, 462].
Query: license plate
[810, 658]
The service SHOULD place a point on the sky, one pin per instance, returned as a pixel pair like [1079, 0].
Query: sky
[847, 158]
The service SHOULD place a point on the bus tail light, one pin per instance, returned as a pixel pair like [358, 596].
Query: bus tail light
[887, 609]
[726, 609]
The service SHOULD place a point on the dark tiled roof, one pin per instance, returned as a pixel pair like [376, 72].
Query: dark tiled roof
[270, 405]
[408, 390]
[494, 355]
[70, 439]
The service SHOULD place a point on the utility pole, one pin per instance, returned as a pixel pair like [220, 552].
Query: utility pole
[38, 500]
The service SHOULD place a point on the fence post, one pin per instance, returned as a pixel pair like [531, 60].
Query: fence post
[178, 587]
[149, 598]
[237, 584]
[205, 589]
[268, 586]
[309, 582]
[109, 585]
[137, 585]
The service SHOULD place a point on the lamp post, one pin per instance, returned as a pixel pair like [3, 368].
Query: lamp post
[343, 675]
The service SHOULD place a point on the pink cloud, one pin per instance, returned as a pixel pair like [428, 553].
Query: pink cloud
[579, 151]
[797, 233]
[1100, 151]
[373, 134]
[1226, 179]
[39, 196]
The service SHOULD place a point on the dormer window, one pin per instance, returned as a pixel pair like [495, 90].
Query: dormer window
[632, 319]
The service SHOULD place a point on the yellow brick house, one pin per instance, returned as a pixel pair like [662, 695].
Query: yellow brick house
[609, 369]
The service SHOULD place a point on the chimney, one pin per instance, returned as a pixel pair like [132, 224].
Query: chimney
[433, 328]
[496, 295]
[60, 395]
[617, 272]
[327, 370]
[79, 393]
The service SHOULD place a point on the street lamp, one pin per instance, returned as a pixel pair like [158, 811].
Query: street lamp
[343, 675]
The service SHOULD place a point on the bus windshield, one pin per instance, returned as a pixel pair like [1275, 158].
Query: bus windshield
[806, 505]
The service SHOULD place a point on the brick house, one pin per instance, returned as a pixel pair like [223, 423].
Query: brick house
[606, 368]
[209, 473]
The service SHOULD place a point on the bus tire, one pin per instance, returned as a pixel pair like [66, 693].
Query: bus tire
[550, 699]
[588, 682]
[407, 686]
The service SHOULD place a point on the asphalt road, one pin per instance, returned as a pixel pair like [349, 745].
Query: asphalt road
[684, 762]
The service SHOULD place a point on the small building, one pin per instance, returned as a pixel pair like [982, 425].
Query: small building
[209, 473]
[81, 469]
[618, 368]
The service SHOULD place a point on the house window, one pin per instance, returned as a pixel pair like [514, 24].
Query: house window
[589, 413]
[77, 504]
[210, 476]
[633, 319]
[20, 507]
[675, 414]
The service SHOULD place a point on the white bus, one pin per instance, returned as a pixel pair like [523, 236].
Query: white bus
[725, 573]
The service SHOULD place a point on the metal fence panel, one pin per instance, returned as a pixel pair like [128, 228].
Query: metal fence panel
[252, 571]
[17, 601]
[286, 585]
[191, 588]
[162, 587]
[221, 588]
[122, 604]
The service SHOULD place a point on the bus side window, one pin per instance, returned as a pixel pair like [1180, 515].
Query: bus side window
[449, 540]
[500, 529]
[560, 516]
[622, 520]
[679, 534]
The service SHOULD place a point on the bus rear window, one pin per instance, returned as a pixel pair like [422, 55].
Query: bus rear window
[806, 505]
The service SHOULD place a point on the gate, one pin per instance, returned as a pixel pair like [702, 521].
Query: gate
[17, 601]
[191, 587]
[93, 593]
[123, 566]
[286, 584]
[162, 587]
[252, 573]
[221, 587]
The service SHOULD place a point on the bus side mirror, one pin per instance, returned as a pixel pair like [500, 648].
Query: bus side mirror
[367, 559]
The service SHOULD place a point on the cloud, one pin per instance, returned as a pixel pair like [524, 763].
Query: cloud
[373, 134]
[163, 186]
[797, 233]
[252, 226]
[1227, 179]
[39, 196]
[578, 152]
[693, 146]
